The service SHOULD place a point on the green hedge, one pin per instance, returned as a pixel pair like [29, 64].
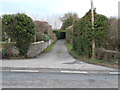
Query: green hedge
[83, 34]
[60, 34]
[20, 28]
[69, 35]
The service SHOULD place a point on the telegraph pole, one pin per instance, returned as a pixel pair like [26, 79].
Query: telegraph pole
[93, 41]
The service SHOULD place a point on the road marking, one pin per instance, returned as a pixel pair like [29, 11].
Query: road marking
[80, 72]
[114, 72]
[24, 70]
[74, 72]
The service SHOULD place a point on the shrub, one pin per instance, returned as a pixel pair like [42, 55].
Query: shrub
[46, 37]
[42, 37]
[6, 53]
[20, 28]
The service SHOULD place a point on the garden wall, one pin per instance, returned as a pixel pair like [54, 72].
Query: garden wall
[35, 48]
[38, 47]
[107, 55]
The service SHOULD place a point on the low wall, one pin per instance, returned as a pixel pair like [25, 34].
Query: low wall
[107, 55]
[35, 48]
[38, 47]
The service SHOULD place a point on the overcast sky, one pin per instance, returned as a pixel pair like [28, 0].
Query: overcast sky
[47, 9]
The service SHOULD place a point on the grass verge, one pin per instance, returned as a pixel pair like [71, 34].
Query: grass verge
[49, 48]
[89, 60]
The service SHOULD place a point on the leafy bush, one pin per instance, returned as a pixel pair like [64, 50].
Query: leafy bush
[46, 37]
[42, 37]
[20, 28]
[6, 53]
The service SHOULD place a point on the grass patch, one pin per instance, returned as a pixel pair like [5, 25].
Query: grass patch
[49, 48]
[68, 46]
[89, 60]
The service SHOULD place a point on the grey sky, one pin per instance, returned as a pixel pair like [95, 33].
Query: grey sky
[50, 10]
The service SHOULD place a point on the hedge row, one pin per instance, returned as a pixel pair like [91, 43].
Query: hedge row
[20, 28]
[69, 35]
[83, 33]
[60, 34]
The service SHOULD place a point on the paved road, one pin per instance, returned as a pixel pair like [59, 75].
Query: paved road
[58, 58]
[58, 80]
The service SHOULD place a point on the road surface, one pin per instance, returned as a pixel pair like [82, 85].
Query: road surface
[58, 80]
[56, 69]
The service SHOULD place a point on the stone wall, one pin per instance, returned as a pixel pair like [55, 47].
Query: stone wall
[38, 47]
[107, 55]
[35, 48]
